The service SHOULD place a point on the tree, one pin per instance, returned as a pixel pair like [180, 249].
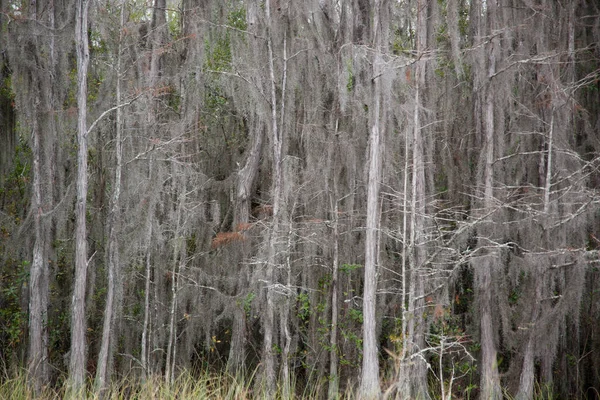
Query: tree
[276, 194]
[370, 386]
[413, 373]
[111, 309]
[77, 365]
[38, 281]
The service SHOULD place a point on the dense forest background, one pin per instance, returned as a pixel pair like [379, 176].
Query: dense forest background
[366, 196]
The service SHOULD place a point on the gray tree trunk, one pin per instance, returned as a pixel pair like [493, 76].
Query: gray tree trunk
[334, 380]
[77, 364]
[144, 357]
[105, 357]
[276, 194]
[38, 277]
[245, 180]
[412, 382]
[370, 386]
[178, 260]
[484, 269]
[43, 137]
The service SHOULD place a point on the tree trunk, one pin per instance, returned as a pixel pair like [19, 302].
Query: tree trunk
[146, 325]
[276, 193]
[412, 381]
[334, 379]
[484, 270]
[43, 137]
[77, 365]
[38, 278]
[178, 260]
[369, 387]
[105, 357]
[246, 177]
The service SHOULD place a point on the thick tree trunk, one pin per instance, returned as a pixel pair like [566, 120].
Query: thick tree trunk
[369, 387]
[237, 351]
[527, 379]
[43, 138]
[484, 270]
[370, 384]
[77, 365]
[246, 177]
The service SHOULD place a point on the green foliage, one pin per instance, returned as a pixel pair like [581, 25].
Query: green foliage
[13, 319]
[463, 22]
[218, 51]
[174, 22]
[248, 303]
[237, 18]
[514, 296]
[138, 11]
[6, 92]
[171, 97]
[352, 337]
[14, 196]
[303, 301]
[218, 54]
[97, 43]
[348, 268]
[71, 97]
[402, 41]
[325, 281]
[351, 79]
[94, 81]
[190, 244]
[355, 315]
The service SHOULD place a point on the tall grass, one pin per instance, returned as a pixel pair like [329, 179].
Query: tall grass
[208, 385]
[205, 386]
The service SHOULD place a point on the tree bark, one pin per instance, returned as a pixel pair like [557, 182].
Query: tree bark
[38, 279]
[144, 357]
[245, 180]
[111, 309]
[276, 193]
[334, 380]
[43, 137]
[484, 270]
[412, 382]
[370, 386]
[77, 365]
[178, 261]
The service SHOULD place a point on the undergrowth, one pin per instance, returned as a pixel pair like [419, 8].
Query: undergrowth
[206, 386]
